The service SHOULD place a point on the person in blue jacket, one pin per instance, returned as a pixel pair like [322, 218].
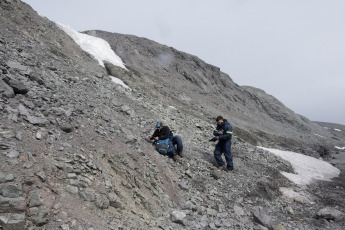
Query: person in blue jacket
[223, 134]
[163, 133]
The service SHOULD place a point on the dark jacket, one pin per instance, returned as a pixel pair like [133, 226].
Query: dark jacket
[162, 134]
[226, 128]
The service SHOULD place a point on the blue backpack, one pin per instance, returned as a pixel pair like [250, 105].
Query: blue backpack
[162, 146]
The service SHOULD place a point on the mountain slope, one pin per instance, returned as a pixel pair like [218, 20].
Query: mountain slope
[180, 79]
[72, 143]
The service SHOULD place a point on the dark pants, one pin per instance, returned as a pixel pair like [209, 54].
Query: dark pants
[176, 140]
[224, 147]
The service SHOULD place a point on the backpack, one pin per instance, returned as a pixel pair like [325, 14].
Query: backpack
[162, 146]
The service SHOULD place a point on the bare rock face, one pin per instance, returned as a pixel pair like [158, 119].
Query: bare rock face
[72, 142]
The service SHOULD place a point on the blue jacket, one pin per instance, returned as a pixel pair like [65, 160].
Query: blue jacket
[226, 128]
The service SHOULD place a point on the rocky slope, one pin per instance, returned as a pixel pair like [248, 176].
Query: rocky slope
[73, 149]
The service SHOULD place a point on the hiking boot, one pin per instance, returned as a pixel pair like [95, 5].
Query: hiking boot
[229, 170]
[223, 167]
[180, 153]
[174, 157]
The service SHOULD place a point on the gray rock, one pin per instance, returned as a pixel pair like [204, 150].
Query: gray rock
[238, 210]
[12, 204]
[261, 217]
[38, 215]
[115, 201]
[41, 175]
[215, 174]
[72, 189]
[8, 178]
[17, 86]
[7, 134]
[177, 217]
[10, 221]
[66, 128]
[35, 120]
[6, 90]
[277, 227]
[34, 76]
[12, 191]
[16, 65]
[12, 154]
[329, 213]
[183, 186]
[34, 199]
[88, 194]
[65, 227]
[101, 201]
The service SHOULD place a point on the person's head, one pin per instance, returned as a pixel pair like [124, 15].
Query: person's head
[219, 120]
[159, 125]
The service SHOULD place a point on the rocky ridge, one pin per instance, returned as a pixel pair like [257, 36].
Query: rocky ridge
[72, 143]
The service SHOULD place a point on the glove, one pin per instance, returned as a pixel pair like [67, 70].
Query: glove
[214, 139]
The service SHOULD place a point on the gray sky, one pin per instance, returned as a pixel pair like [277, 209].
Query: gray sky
[292, 49]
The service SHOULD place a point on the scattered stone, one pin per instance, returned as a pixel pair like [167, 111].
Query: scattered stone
[101, 201]
[12, 221]
[34, 199]
[17, 86]
[35, 120]
[277, 227]
[12, 154]
[66, 128]
[183, 186]
[72, 189]
[12, 191]
[261, 217]
[177, 217]
[238, 210]
[42, 176]
[215, 174]
[329, 213]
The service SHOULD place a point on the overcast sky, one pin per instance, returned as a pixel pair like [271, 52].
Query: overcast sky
[292, 49]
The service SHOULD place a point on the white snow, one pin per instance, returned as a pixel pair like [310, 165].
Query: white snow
[337, 130]
[97, 47]
[341, 148]
[306, 168]
[120, 82]
[318, 135]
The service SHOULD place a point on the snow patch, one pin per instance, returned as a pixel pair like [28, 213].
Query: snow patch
[120, 82]
[299, 196]
[306, 168]
[97, 47]
[337, 130]
[341, 148]
[318, 135]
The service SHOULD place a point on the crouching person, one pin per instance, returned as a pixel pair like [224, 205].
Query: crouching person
[163, 142]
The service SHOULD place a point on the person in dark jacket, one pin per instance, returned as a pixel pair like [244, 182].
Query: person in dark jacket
[223, 133]
[162, 133]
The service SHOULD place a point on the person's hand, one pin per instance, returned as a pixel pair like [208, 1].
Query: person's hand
[220, 133]
[156, 138]
[150, 136]
[217, 137]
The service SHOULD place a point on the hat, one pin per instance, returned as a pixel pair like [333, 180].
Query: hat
[159, 124]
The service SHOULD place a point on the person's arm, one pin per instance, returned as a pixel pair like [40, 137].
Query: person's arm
[155, 134]
[215, 132]
[227, 133]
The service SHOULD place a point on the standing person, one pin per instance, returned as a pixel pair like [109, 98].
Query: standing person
[223, 134]
[163, 133]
